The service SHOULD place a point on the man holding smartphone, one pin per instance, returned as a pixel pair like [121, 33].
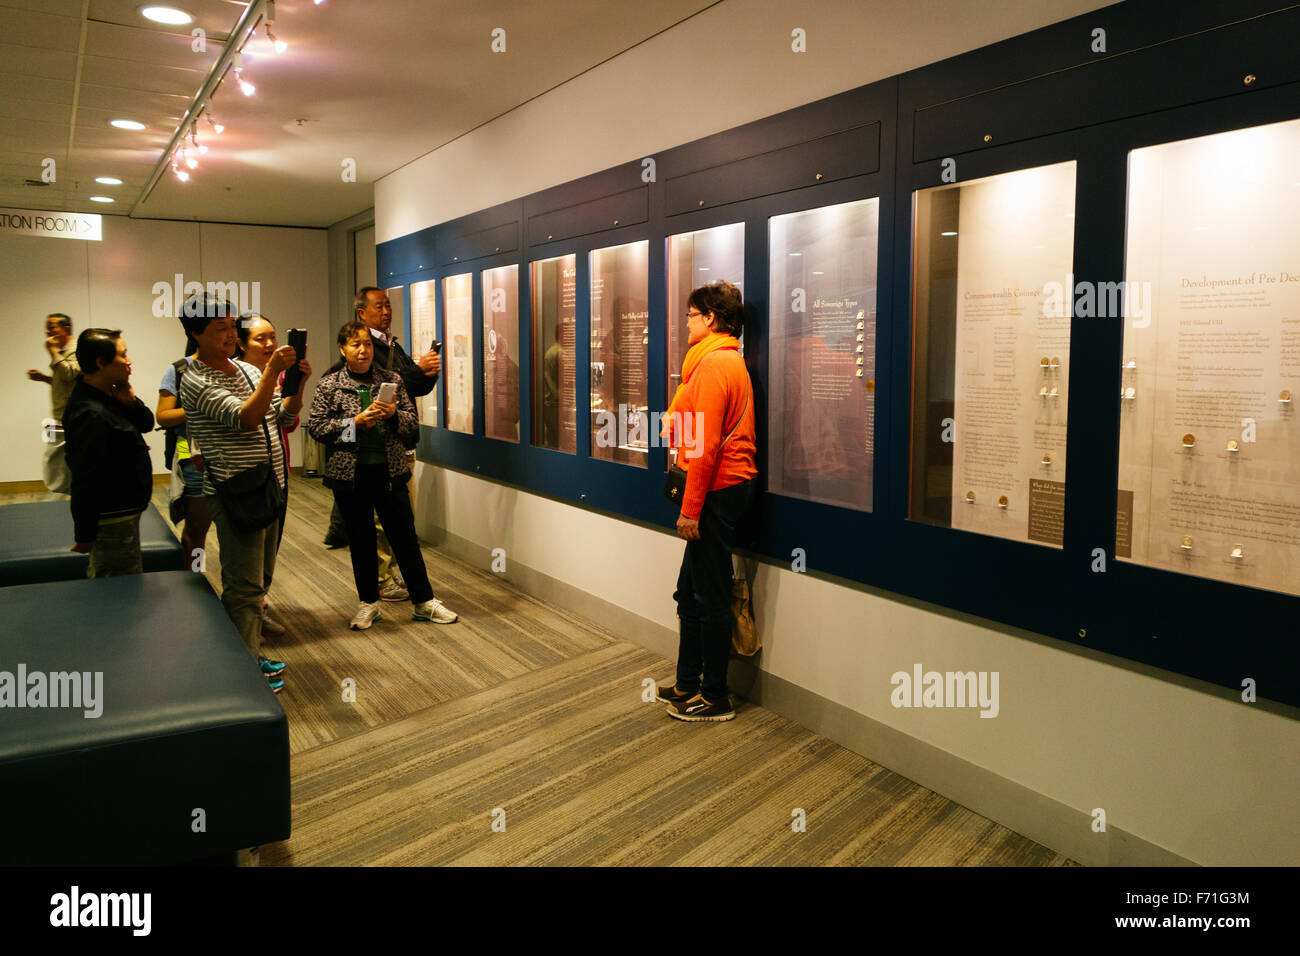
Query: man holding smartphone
[419, 376]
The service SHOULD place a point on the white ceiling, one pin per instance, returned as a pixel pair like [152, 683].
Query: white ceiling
[381, 82]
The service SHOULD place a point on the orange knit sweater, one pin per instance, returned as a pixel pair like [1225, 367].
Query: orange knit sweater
[718, 390]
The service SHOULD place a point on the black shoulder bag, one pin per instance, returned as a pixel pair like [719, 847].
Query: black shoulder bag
[253, 497]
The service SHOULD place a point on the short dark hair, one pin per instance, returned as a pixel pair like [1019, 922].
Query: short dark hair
[94, 345]
[355, 327]
[359, 301]
[724, 301]
[63, 320]
[245, 323]
[200, 309]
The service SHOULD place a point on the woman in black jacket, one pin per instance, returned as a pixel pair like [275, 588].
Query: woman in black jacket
[112, 477]
[366, 441]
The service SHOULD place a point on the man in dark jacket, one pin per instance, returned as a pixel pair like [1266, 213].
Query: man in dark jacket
[112, 477]
[419, 376]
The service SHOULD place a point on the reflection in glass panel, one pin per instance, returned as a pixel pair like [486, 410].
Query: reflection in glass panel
[620, 341]
[423, 332]
[990, 356]
[458, 353]
[821, 414]
[696, 259]
[555, 397]
[1209, 455]
[501, 353]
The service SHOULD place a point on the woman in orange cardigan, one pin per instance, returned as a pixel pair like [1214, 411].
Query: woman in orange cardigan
[717, 397]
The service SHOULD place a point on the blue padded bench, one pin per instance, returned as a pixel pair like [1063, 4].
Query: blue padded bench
[36, 538]
[188, 723]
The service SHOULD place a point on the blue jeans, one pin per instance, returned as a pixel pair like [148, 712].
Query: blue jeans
[703, 594]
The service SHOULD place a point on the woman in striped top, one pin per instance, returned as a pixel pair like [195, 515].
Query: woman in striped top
[231, 408]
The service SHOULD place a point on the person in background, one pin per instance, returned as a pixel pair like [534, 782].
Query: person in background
[719, 489]
[112, 476]
[366, 468]
[372, 307]
[189, 505]
[257, 343]
[230, 407]
[64, 371]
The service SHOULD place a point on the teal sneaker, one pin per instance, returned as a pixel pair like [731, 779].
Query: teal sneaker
[275, 683]
[269, 667]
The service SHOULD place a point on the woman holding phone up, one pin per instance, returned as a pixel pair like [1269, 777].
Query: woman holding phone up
[365, 419]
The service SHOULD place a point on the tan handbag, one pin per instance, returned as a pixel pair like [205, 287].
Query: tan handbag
[744, 632]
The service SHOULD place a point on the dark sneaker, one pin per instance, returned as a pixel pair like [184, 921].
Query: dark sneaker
[333, 541]
[269, 667]
[697, 708]
[671, 695]
[275, 683]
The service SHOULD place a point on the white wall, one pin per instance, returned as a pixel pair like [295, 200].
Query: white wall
[110, 284]
[1207, 778]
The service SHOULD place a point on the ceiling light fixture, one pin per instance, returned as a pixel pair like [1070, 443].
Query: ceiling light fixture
[168, 15]
[102, 199]
[280, 45]
[194, 140]
[217, 128]
[248, 88]
[126, 124]
[181, 174]
[108, 181]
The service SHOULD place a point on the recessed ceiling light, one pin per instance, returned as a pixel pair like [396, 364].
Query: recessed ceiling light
[108, 181]
[102, 199]
[168, 15]
[126, 124]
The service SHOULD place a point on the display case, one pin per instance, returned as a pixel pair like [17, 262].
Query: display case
[1209, 473]
[554, 285]
[424, 330]
[695, 259]
[458, 351]
[620, 344]
[501, 353]
[822, 309]
[991, 337]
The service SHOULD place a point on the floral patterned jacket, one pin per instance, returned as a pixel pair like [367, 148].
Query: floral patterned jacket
[331, 423]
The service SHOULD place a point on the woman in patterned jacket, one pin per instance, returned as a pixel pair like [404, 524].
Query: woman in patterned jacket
[366, 441]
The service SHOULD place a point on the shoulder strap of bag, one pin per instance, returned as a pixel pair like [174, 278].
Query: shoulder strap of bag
[738, 421]
[265, 431]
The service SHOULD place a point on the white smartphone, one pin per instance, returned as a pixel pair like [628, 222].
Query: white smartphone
[387, 392]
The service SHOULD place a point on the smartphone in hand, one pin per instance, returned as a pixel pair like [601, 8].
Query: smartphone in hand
[387, 392]
[292, 376]
[437, 347]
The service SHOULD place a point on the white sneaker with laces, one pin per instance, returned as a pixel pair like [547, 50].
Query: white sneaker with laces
[365, 616]
[435, 611]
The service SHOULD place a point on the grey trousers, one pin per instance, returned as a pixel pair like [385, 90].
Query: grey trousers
[247, 564]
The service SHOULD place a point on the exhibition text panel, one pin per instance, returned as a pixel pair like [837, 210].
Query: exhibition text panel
[620, 343]
[423, 333]
[458, 356]
[555, 394]
[821, 416]
[1209, 479]
[696, 259]
[501, 353]
[991, 335]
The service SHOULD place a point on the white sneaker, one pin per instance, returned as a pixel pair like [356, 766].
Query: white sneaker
[394, 592]
[365, 616]
[435, 611]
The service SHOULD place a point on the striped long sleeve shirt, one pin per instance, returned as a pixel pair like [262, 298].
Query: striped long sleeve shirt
[212, 399]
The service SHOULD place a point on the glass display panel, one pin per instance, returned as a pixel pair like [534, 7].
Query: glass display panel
[501, 353]
[991, 335]
[696, 259]
[555, 395]
[423, 332]
[1209, 456]
[458, 351]
[620, 343]
[821, 414]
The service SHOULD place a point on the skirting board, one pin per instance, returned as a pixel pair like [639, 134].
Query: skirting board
[1053, 824]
